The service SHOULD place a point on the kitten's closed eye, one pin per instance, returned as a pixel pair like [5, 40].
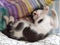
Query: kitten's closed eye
[40, 20]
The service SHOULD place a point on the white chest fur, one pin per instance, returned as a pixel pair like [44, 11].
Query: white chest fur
[44, 27]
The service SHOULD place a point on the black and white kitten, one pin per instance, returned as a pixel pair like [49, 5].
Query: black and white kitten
[31, 32]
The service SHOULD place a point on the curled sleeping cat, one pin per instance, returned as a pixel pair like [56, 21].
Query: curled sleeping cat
[31, 32]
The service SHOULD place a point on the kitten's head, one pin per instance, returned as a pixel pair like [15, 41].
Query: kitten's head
[40, 13]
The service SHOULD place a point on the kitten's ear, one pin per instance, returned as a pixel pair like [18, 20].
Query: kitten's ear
[46, 10]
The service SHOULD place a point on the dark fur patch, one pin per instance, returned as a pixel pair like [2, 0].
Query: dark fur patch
[19, 26]
[31, 35]
[22, 39]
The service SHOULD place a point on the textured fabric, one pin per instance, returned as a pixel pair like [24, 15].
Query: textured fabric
[2, 21]
[20, 8]
[50, 40]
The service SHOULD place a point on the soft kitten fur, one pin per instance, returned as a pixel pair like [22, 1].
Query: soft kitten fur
[24, 30]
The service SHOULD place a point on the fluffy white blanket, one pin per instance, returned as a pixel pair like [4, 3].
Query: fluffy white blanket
[50, 40]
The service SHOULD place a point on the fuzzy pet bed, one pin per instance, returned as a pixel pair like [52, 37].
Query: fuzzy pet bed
[50, 40]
